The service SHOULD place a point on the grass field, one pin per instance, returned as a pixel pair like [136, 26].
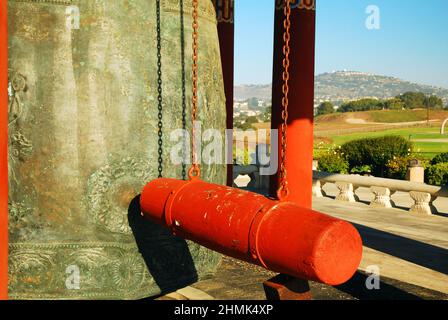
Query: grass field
[335, 129]
[428, 149]
[408, 133]
[397, 116]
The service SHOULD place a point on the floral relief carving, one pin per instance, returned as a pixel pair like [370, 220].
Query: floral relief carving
[41, 268]
[110, 190]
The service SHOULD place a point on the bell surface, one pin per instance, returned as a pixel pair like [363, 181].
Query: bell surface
[83, 142]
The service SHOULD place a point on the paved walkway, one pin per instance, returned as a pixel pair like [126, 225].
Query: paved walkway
[406, 247]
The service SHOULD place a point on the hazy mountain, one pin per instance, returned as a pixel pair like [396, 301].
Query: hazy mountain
[244, 92]
[348, 85]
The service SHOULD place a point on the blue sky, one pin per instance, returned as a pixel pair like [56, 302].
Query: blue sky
[411, 44]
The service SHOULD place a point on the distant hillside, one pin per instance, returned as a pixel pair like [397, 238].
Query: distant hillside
[244, 92]
[348, 85]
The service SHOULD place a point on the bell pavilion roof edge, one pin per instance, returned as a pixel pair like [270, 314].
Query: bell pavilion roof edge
[300, 4]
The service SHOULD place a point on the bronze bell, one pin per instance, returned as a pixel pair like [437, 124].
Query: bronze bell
[83, 141]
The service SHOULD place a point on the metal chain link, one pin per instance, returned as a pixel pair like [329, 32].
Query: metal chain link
[159, 94]
[283, 190]
[194, 171]
[184, 96]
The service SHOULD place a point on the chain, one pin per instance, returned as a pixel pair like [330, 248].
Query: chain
[184, 96]
[159, 94]
[283, 190]
[194, 171]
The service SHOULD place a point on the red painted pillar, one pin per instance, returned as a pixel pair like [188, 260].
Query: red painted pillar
[301, 97]
[226, 32]
[3, 150]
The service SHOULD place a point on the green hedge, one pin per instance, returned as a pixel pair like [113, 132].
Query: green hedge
[440, 158]
[437, 174]
[375, 152]
[333, 163]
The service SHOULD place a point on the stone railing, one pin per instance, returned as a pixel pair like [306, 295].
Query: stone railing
[423, 195]
[254, 180]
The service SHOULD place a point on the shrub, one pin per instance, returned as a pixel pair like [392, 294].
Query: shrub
[361, 105]
[242, 157]
[375, 152]
[437, 174]
[440, 158]
[333, 162]
[325, 108]
[397, 167]
[361, 170]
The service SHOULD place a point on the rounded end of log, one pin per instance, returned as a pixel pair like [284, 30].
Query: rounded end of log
[337, 253]
[309, 245]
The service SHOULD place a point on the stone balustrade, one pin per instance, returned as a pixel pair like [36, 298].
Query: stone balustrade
[423, 195]
[382, 189]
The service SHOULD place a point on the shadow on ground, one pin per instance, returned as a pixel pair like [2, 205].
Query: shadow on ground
[167, 257]
[417, 252]
[357, 288]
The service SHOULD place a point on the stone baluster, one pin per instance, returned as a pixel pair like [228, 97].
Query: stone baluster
[346, 192]
[318, 192]
[382, 197]
[423, 203]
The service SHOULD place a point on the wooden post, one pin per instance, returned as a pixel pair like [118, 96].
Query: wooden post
[3, 150]
[301, 97]
[226, 34]
[299, 152]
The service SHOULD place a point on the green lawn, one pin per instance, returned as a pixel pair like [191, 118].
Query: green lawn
[430, 149]
[425, 149]
[395, 116]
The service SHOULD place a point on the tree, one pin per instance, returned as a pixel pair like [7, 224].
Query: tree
[394, 104]
[325, 108]
[252, 120]
[267, 114]
[243, 125]
[433, 102]
[252, 103]
[413, 100]
[362, 105]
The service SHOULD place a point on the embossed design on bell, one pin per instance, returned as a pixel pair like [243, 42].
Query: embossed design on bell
[83, 141]
[17, 86]
[111, 189]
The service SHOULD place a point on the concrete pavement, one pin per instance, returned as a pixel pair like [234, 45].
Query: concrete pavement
[406, 247]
